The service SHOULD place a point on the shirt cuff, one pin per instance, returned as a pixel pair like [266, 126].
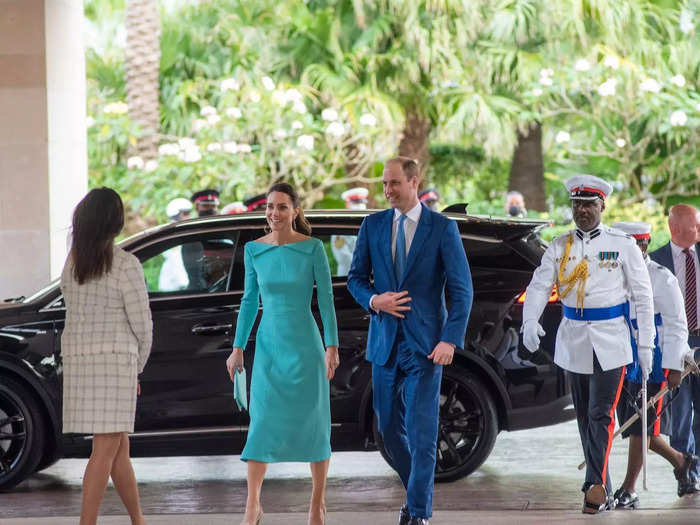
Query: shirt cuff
[370, 303]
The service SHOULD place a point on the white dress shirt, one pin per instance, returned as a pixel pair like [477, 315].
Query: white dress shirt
[679, 269]
[409, 227]
[607, 285]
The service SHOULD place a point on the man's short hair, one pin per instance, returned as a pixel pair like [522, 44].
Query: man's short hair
[408, 166]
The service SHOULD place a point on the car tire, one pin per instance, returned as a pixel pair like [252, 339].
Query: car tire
[468, 425]
[22, 433]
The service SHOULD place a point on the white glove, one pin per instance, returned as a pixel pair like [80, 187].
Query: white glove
[646, 360]
[532, 331]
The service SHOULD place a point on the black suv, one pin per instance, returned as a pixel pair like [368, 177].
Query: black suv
[186, 406]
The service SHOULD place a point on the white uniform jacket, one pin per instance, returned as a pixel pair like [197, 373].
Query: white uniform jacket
[616, 272]
[668, 302]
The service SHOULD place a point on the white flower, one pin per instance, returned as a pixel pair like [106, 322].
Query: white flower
[299, 107]
[213, 119]
[230, 147]
[151, 165]
[243, 148]
[335, 129]
[306, 142]
[187, 142]
[199, 124]
[280, 133]
[89, 122]
[292, 95]
[650, 85]
[620, 143]
[611, 61]
[214, 146]
[368, 120]
[234, 113]
[230, 84]
[329, 114]
[191, 154]
[697, 106]
[116, 108]
[582, 65]
[546, 72]
[135, 163]
[678, 118]
[546, 81]
[278, 97]
[254, 96]
[678, 80]
[168, 149]
[607, 88]
[537, 91]
[297, 125]
[562, 137]
[686, 22]
[207, 110]
[268, 83]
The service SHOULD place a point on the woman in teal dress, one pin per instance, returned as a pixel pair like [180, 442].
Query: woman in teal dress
[289, 392]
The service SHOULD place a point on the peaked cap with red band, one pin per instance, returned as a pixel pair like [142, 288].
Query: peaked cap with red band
[638, 230]
[207, 195]
[587, 187]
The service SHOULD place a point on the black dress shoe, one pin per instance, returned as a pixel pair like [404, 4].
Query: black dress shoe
[596, 500]
[404, 516]
[626, 500]
[686, 484]
[418, 521]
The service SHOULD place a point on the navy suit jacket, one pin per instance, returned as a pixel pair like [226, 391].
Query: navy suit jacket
[664, 256]
[436, 261]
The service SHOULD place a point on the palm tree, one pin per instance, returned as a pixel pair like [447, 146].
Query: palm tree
[142, 71]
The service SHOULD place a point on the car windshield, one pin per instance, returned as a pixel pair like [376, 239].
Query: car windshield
[41, 292]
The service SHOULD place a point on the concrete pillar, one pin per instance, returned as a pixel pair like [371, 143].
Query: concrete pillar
[43, 141]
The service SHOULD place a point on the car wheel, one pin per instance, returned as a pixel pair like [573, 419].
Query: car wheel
[467, 429]
[21, 433]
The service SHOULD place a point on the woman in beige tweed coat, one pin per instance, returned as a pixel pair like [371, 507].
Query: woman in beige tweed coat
[105, 344]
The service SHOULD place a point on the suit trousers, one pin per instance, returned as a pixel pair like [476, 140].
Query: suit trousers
[406, 396]
[685, 413]
[595, 398]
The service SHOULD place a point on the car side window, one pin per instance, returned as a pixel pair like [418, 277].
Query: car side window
[339, 249]
[192, 266]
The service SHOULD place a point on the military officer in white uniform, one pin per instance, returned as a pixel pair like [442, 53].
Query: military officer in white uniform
[670, 349]
[596, 269]
[343, 246]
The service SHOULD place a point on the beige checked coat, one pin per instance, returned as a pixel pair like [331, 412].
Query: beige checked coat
[105, 344]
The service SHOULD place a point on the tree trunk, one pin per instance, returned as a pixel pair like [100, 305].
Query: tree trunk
[142, 71]
[414, 141]
[527, 168]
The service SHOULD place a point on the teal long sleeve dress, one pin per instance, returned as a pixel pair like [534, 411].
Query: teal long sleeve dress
[289, 394]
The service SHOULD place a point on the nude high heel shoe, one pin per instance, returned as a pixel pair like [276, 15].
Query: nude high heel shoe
[258, 519]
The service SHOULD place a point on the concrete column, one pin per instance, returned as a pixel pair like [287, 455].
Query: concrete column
[43, 142]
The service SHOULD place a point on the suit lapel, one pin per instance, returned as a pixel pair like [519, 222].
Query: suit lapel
[385, 226]
[425, 224]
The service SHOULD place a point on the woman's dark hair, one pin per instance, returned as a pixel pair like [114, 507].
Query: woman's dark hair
[97, 220]
[300, 223]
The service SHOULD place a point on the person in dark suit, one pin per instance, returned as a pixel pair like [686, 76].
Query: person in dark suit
[682, 256]
[414, 255]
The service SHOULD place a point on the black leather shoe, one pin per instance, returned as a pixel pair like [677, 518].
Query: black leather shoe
[687, 485]
[626, 500]
[404, 516]
[596, 500]
[418, 521]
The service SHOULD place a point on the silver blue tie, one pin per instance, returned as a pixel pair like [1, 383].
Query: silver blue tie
[400, 255]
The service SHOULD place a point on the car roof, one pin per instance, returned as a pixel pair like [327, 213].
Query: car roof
[487, 226]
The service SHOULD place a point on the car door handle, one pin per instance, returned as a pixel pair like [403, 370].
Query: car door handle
[209, 329]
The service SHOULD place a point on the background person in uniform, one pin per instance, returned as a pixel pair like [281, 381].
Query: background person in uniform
[596, 269]
[256, 202]
[105, 344]
[289, 391]
[430, 197]
[206, 202]
[414, 255]
[515, 204]
[682, 256]
[234, 208]
[670, 348]
[343, 246]
[178, 209]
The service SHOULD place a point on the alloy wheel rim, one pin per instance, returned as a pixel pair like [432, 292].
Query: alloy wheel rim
[13, 433]
[461, 426]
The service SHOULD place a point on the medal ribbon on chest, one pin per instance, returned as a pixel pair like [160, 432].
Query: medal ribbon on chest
[577, 277]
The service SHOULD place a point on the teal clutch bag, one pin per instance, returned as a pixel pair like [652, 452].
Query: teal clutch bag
[239, 392]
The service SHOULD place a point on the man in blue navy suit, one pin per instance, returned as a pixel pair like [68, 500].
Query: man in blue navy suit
[414, 254]
[682, 256]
